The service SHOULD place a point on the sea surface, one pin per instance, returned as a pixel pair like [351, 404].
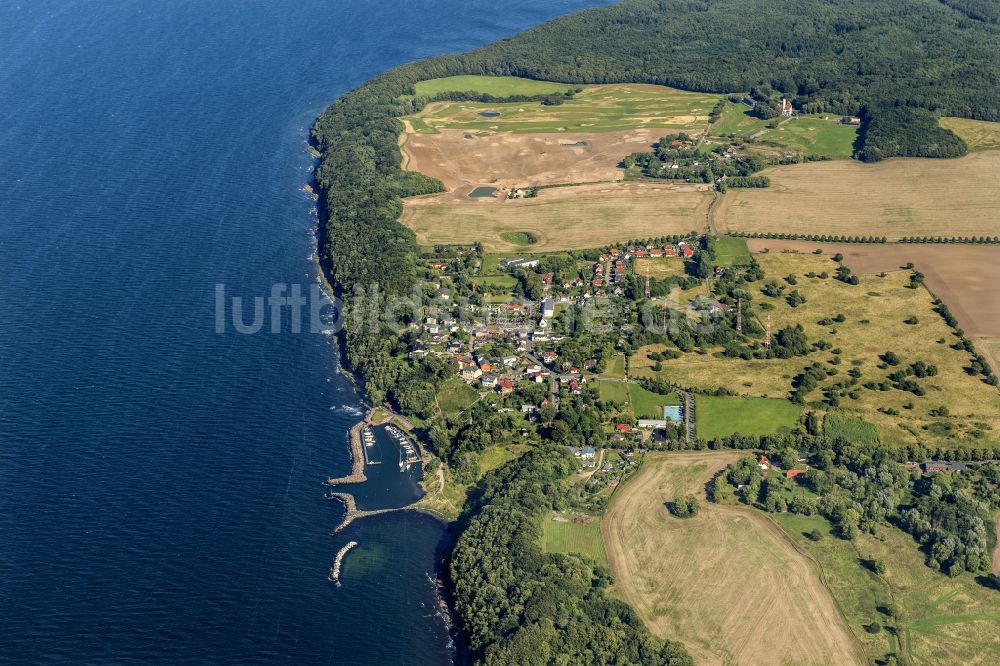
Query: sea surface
[161, 496]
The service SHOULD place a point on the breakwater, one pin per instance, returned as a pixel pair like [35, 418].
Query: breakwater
[339, 559]
[357, 474]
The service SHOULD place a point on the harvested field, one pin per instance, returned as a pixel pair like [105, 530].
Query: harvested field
[896, 198]
[562, 218]
[728, 582]
[875, 314]
[463, 161]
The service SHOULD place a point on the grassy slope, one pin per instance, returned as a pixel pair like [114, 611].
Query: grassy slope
[561, 222]
[944, 620]
[977, 134]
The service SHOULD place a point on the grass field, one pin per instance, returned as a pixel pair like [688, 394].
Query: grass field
[943, 620]
[570, 532]
[849, 428]
[808, 134]
[813, 135]
[600, 108]
[456, 396]
[730, 250]
[728, 583]
[613, 391]
[615, 367]
[649, 405]
[562, 218]
[895, 198]
[498, 86]
[977, 134]
[718, 416]
[875, 312]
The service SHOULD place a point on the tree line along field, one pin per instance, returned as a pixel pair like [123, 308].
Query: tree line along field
[563, 218]
[600, 108]
[898, 198]
[875, 311]
[727, 583]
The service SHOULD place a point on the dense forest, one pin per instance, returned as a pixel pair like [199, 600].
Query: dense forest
[522, 606]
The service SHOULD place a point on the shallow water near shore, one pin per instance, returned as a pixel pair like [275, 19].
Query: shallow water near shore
[162, 485]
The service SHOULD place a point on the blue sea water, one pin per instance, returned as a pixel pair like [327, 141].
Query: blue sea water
[161, 493]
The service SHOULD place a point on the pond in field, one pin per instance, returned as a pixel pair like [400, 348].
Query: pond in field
[489, 114]
[483, 192]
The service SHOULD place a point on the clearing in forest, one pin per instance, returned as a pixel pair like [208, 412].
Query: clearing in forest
[728, 582]
[896, 198]
[574, 532]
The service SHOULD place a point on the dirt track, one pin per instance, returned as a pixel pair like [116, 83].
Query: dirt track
[728, 583]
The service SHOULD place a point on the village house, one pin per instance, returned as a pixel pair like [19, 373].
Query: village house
[762, 462]
[505, 386]
[792, 473]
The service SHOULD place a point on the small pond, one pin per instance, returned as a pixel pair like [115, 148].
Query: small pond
[482, 192]
[489, 114]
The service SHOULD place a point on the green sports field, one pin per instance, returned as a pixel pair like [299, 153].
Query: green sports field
[718, 416]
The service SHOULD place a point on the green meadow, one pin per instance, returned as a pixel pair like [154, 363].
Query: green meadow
[569, 536]
[718, 416]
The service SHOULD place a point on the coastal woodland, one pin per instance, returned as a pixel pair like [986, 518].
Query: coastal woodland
[897, 65]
